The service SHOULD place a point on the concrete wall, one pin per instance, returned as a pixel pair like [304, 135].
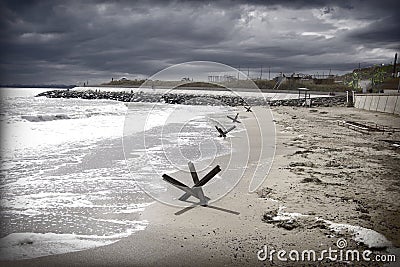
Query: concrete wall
[389, 103]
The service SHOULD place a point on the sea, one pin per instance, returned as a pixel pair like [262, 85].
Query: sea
[65, 184]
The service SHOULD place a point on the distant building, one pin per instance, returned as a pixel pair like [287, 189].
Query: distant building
[221, 78]
[305, 78]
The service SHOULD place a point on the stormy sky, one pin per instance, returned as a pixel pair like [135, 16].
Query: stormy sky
[74, 41]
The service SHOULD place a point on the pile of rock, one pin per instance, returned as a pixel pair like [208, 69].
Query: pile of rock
[170, 98]
[315, 102]
[192, 99]
[97, 94]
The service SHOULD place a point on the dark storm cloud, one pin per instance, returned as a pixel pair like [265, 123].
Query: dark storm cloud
[71, 41]
[384, 32]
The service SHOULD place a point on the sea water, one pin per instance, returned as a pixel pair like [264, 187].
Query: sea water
[65, 185]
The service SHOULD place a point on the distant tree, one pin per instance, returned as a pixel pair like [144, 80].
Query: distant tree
[354, 82]
[378, 77]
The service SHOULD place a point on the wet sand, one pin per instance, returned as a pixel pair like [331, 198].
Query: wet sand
[322, 173]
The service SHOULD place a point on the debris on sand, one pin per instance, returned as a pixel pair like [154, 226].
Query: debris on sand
[269, 216]
[362, 208]
[301, 152]
[264, 192]
[394, 143]
[312, 180]
[288, 225]
[286, 220]
[332, 163]
[302, 164]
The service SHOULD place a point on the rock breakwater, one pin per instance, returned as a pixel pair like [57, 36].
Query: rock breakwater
[192, 99]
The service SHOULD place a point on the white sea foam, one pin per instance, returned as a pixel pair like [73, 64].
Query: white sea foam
[46, 200]
[31, 245]
[54, 177]
[25, 135]
[369, 237]
[133, 208]
[287, 216]
[37, 118]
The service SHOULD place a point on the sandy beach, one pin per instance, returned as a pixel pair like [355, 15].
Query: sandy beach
[200, 133]
[326, 182]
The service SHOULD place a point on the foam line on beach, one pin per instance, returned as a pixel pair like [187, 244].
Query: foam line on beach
[31, 245]
[366, 236]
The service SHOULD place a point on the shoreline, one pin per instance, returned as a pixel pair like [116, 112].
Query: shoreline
[319, 167]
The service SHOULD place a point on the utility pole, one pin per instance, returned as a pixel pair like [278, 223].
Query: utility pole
[269, 73]
[394, 66]
[261, 73]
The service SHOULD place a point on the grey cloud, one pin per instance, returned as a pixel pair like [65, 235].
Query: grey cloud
[382, 33]
[58, 41]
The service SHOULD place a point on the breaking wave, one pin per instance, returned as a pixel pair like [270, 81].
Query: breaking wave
[39, 118]
[53, 117]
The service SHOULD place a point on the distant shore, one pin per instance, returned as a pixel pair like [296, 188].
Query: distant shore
[37, 86]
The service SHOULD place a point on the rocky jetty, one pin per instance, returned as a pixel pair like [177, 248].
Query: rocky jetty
[192, 99]
[315, 102]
